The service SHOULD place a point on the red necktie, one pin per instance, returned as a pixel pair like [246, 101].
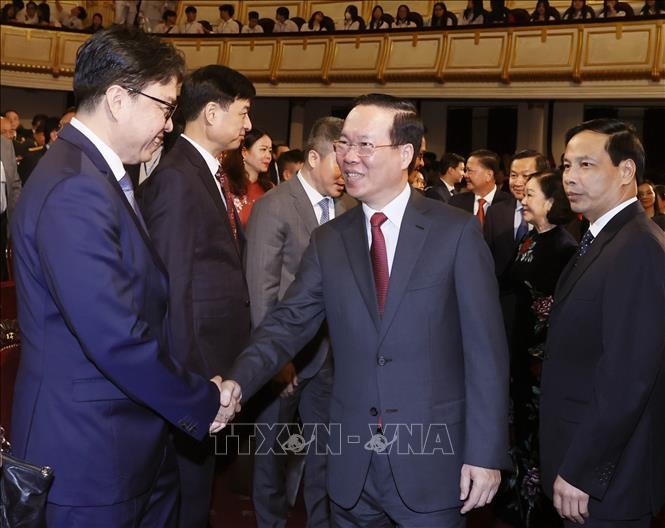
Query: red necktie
[379, 257]
[481, 211]
[230, 208]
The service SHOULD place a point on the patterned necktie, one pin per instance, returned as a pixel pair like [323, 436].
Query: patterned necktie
[230, 208]
[481, 211]
[585, 244]
[325, 211]
[522, 229]
[379, 257]
[128, 188]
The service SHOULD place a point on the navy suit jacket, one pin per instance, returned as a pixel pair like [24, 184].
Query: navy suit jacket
[499, 230]
[603, 385]
[96, 384]
[447, 382]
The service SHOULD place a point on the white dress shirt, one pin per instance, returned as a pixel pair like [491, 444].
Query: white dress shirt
[230, 26]
[288, 26]
[315, 197]
[255, 29]
[193, 28]
[211, 162]
[489, 198]
[601, 222]
[390, 228]
[111, 158]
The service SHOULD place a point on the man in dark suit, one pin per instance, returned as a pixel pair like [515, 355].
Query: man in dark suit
[481, 168]
[418, 418]
[452, 173]
[97, 386]
[193, 224]
[278, 233]
[603, 386]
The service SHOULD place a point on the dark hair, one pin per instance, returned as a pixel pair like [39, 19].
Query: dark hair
[407, 12]
[125, 56]
[213, 83]
[51, 124]
[290, 156]
[228, 8]
[477, 10]
[660, 191]
[407, 127]
[169, 13]
[549, 11]
[659, 7]
[448, 160]
[233, 166]
[551, 183]
[587, 12]
[488, 159]
[283, 11]
[436, 21]
[190, 9]
[253, 14]
[38, 118]
[622, 142]
[353, 11]
[4, 18]
[44, 13]
[324, 132]
[310, 24]
[542, 164]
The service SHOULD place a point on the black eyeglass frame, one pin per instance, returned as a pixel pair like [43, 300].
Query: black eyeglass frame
[171, 106]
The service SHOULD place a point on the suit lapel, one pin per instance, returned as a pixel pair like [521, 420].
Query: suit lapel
[412, 235]
[302, 204]
[355, 241]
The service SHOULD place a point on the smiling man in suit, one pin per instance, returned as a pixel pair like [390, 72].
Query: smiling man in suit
[603, 385]
[278, 233]
[377, 274]
[196, 231]
[97, 386]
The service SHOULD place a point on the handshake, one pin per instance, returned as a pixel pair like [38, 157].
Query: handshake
[229, 403]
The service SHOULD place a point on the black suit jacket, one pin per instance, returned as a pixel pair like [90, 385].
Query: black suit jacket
[499, 230]
[465, 200]
[439, 191]
[602, 425]
[188, 223]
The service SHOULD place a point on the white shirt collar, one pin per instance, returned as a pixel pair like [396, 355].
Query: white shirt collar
[489, 197]
[210, 160]
[601, 222]
[450, 188]
[394, 210]
[111, 158]
[314, 196]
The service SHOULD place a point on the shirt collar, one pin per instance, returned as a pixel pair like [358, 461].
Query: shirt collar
[601, 222]
[394, 210]
[489, 197]
[450, 188]
[210, 160]
[110, 157]
[314, 196]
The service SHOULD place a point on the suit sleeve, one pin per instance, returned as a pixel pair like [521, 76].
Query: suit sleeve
[264, 257]
[286, 330]
[485, 352]
[633, 342]
[89, 275]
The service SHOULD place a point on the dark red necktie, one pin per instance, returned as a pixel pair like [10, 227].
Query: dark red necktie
[481, 211]
[230, 208]
[379, 257]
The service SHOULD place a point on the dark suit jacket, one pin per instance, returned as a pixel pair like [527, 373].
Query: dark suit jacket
[439, 191]
[188, 223]
[449, 382]
[603, 385]
[499, 230]
[278, 233]
[96, 383]
[465, 200]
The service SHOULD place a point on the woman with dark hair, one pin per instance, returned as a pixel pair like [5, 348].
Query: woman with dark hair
[44, 15]
[498, 13]
[96, 24]
[474, 13]
[544, 12]
[440, 17]
[352, 20]
[402, 17]
[653, 7]
[541, 257]
[8, 14]
[646, 194]
[247, 169]
[315, 22]
[378, 21]
[614, 8]
[578, 10]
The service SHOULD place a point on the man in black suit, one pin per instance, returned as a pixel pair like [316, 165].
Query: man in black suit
[452, 173]
[198, 238]
[481, 168]
[602, 430]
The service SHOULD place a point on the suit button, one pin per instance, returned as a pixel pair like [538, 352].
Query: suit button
[381, 361]
[373, 411]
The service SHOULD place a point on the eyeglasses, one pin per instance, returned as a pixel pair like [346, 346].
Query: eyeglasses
[170, 107]
[365, 149]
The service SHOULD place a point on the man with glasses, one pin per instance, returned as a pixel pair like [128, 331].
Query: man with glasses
[419, 418]
[98, 383]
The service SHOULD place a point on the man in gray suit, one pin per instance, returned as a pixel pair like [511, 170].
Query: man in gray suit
[278, 234]
[11, 190]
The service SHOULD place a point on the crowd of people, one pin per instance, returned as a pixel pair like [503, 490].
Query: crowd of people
[167, 272]
[162, 19]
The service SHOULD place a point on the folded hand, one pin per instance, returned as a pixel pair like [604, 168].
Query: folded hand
[230, 396]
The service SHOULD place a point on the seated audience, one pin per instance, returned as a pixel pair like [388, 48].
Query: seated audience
[28, 15]
[282, 22]
[8, 15]
[402, 17]
[72, 20]
[578, 10]
[247, 169]
[352, 20]
[378, 20]
[440, 16]
[97, 24]
[252, 25]
[315, 22]
[614, 8]
[498, 13]
[474, 13]
[646, 194]
[289, 163]
[167, 25]
[44, 16]
[653, 7]
[227, 24]
[544, 12]
[192, 26]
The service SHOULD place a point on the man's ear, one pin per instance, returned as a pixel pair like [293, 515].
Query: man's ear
[628, 171]
[117, 100]
[211, 111]
[313, 158]
[406, 152]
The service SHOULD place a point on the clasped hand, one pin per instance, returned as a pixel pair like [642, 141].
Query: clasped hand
[230, 395]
